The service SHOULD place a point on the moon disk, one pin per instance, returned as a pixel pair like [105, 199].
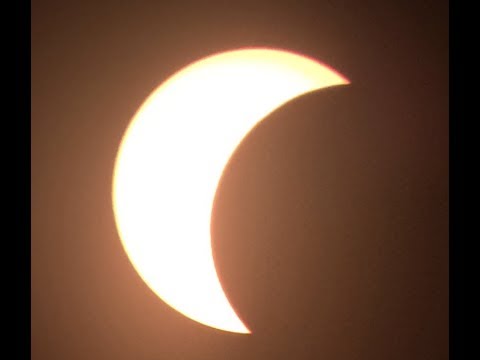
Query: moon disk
[172, 157]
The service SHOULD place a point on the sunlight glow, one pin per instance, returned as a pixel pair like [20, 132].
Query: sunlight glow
[172, 157]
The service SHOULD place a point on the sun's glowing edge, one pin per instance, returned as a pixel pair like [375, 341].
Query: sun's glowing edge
[339, 80]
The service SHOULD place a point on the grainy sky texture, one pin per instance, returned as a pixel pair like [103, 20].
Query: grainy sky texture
[330, 226]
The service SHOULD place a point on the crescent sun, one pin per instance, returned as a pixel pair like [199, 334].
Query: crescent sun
[172, 157]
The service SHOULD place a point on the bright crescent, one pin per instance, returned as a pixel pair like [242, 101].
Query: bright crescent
[172, 157]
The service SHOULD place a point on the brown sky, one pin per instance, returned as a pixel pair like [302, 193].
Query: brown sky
[330, 227]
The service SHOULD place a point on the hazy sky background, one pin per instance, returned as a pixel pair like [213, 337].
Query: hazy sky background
[330, 227]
